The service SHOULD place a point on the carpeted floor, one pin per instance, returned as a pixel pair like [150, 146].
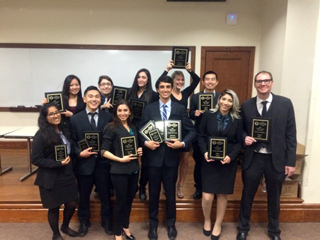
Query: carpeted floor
[186, 231]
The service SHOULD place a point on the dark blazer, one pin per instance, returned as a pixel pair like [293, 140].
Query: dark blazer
[79, 124]
[163, 154]
[209, 128]
[195, 106]
[44, 158]
[111, 142]
[80, 106]
[282, 131]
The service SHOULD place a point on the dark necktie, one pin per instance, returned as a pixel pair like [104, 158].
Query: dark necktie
[93, 122]
[264, 109]
[164, 113]
[221, 125]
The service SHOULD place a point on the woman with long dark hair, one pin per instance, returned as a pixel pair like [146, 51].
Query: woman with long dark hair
[142, 90]
[56, 180]
[124, 169]
[218, 175]
[181, 96]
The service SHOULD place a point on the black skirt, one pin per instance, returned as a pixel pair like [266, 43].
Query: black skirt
[218, 178]
[65, 190]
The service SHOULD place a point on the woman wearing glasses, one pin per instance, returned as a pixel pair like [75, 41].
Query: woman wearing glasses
[55, 178]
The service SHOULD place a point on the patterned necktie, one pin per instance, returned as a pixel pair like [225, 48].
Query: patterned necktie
[164, 113]
[93, 122]
[264, 109]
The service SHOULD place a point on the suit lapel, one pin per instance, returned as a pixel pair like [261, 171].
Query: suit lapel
[85, 119]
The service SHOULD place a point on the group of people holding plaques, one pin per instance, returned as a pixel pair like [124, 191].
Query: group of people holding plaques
[98, 139]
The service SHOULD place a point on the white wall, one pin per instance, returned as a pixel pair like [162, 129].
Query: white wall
[283, 32]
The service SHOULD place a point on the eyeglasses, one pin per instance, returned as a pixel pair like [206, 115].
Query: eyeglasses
[54, 114]
[105, 84]
[265, 81]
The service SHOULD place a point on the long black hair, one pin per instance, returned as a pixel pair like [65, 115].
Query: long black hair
[50, 136]
[135, 87]
[66, 89]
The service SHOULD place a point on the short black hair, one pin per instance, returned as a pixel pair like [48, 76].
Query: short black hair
[165, 79]
[91, 88]
[105, 77]
[209, 72]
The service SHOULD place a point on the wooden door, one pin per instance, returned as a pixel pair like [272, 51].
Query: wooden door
[234, 66]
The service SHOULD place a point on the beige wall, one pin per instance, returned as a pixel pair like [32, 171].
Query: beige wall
[283, 32]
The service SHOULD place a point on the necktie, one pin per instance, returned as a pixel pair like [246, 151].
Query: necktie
[264, 109]
[93, 122]
[221, 126]
[164, 113]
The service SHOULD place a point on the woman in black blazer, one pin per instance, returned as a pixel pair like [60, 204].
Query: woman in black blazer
[56, 180]
[218, 175]
[142, 90]
[124, 169]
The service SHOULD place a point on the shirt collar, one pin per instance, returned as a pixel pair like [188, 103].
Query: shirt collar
[168, 103]
[269, 99]
[97, 111]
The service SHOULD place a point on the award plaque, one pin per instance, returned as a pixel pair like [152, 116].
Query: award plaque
[155, 136]
[119, 93]
[128, 146]
[160, 126]
[205, 102]
[172, 130]
[60, 152]
[56, 98]
[93, 140]
[260, 129]
[180, 56]
[83, 144]
[217, 148]
[145, 130]
[137, 107]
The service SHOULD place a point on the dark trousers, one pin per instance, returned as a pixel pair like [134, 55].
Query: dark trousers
[125, 186]
[99, 177]
[144, 173]
[197, 156]
[168, 176]
[261, 164]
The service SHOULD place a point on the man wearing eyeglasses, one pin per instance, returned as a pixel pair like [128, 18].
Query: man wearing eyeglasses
[272, 155]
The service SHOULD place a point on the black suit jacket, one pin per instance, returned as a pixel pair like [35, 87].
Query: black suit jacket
[79, 124]
[44, 158]
[112, 142]
[209, 128]
[195, 106]
[163, 154]
[283, 132]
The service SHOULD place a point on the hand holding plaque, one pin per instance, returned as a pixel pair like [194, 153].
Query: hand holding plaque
[83, 144]
[60, 152]
[260, 129]
[205, 101]
[129, 146]
[55, 98]
[93, 140]
[217, 148]
[172, 130]
[180, 56]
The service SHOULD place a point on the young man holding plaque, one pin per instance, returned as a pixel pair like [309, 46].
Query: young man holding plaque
[162, 159]
[273, 156]
[90, 168]
[200, 102]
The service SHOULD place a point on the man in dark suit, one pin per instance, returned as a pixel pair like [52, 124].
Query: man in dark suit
[163, 159]
[275, 159]
[209, 81]
[90, 168]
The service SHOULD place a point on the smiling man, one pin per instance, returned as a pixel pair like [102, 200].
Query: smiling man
[274, 158]
[90, 168]
[209, 81]
[163, 158]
